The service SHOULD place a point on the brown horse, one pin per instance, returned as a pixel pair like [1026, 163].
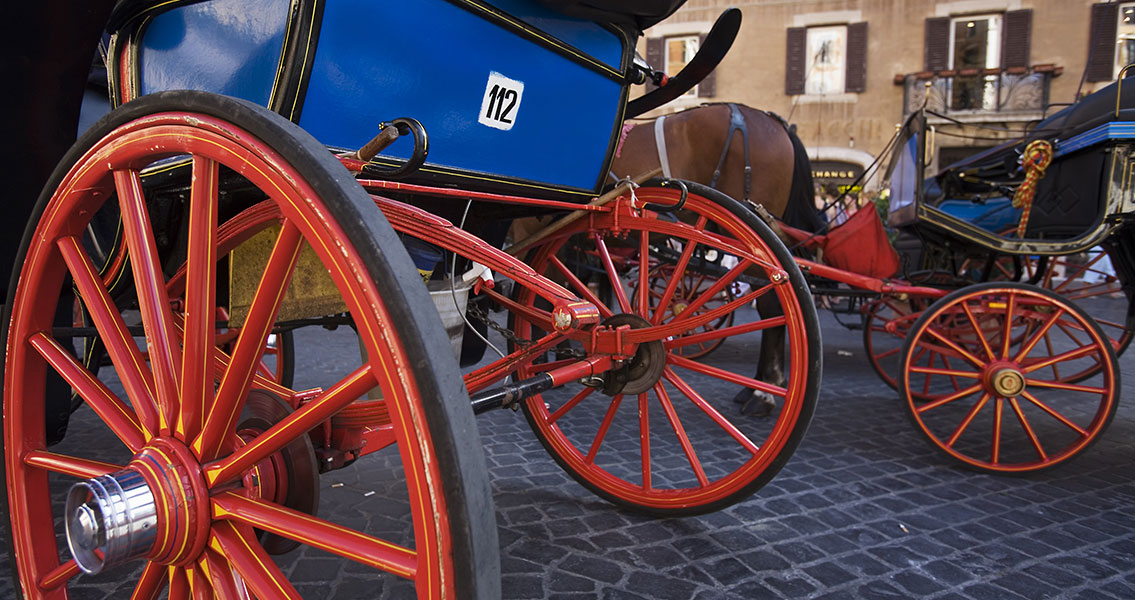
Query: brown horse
[765, 164]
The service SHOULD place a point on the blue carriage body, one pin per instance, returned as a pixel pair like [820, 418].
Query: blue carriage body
[514, 97]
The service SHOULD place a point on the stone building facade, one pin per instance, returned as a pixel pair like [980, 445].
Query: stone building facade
[846, 72]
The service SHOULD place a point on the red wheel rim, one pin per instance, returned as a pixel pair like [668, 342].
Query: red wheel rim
[1003, 404]
[680, 447]
[218, 553]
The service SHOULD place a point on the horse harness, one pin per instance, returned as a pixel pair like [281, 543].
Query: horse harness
[736, 124]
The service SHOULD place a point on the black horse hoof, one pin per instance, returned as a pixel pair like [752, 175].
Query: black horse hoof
[754, 403]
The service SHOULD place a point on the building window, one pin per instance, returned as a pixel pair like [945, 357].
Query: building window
[975, 45]
[827, 59]
[826, 62]
[1125, 37]
[680, 51]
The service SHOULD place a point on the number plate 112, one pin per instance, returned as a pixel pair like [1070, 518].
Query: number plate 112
[501, 102]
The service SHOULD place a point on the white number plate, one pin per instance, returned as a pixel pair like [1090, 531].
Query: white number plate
[502, 102]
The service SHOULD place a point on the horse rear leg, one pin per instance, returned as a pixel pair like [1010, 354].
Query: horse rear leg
[770, 363]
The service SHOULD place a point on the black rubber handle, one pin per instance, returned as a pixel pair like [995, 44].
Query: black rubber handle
[406, 126]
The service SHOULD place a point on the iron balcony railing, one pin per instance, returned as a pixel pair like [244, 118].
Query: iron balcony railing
[979, 92]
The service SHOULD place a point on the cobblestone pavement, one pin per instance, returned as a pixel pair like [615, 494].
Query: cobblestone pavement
[865, 509]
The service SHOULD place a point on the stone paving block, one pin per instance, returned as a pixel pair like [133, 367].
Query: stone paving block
[1027, 586]
[790, 587]
[660, 586]
[879, 590]
[829, 574]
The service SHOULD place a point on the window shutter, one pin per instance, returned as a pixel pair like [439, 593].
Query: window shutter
[856, 80]
[1101, 42]
[1018, 35]
[654, 57]
[795, 60]
[937, 43]
[707, 87]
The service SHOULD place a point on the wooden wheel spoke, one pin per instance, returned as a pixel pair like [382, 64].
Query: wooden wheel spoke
[178, 584]
[612, 274]
[252, 563]
[59, 576]
[1054, 414]
[116, 414]
[163, 349]
[1007, 330]
[949, 343]
[676, 278]
[601, 434]
[150, 582]
[961, 428]
[888, 353]
[1040, 334]
[200, 587]
[251, 342]
[977, 330]
[292, 427]
[680, 432]
[1024, 421]
[579, 287]
[221, 362]
[315, 532]
[644, 439]
[710, 411]
[725, 332]
[199, 336]
[643, 307]
[128, 361]
[722, 374]
[1073, 354]
[570, 404]
[1070, 387]
[1048, 346]
[998, 418]
[81, 468]
[945, 372]
[226, 584]
[691, 312]
[948, 399]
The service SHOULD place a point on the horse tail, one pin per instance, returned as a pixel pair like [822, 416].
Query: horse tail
[801, 211]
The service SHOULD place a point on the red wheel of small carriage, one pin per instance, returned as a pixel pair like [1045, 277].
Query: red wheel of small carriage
[672, 441]
[1002, 405]
[691, 285]
[199, 489]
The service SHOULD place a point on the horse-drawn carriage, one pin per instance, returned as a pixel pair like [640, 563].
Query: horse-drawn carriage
[1001, 333]
[189, 229]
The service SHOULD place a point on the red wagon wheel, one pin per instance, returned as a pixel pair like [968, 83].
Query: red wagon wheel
[199, 484]
[669, 440]
[1003, 405]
